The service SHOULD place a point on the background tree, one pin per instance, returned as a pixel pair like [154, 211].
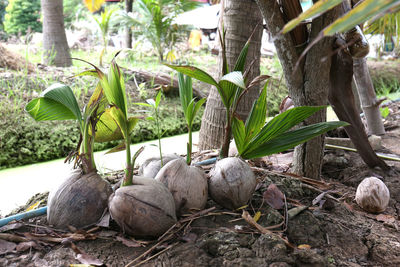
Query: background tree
[152, 21]
[21, 15]
[305, 86]
[240, 19]
[127, 41]
[3, 5]
[73, 11]
[309, 85]
[55, 45]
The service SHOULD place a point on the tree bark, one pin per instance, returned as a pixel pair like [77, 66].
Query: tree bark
[342, 100]
[127, 40]
[240, 18]
[54, 39]
[308, 85]
[369, 102]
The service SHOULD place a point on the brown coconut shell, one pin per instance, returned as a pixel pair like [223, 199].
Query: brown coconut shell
[79, 201]
[144, 209]
[151, 166]
[372, 195]
[187, 184]
[232, 183]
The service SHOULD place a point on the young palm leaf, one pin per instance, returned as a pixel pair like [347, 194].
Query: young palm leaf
[256, 139]
[190, 108]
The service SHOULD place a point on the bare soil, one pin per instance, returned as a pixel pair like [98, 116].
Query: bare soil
[334, 232]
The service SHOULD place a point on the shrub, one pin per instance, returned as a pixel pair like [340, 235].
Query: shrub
[21, 15]
[28, 142]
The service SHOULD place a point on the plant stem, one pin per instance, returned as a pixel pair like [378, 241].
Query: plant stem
[224, 153]
[88, 164]
[189, 148]
[129, 167]
[159, 136]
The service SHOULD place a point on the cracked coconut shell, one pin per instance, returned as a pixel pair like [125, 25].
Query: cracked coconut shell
[144, 209]
[79, 201]
[232, 183]
[372, 195]
[187, 184]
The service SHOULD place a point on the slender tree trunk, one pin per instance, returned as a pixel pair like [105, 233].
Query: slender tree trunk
[239, 18]
[309, 84]
[369, 102]
[127, 41]
[54, 39]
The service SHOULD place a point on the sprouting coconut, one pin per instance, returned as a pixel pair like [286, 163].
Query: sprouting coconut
[79, 201]
[151, 166]
[144, 209]
[141, 206]
[82, 198]
[232, 183]
[187, 184]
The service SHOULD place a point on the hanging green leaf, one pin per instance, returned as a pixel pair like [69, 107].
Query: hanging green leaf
[317, 9]
[366, 10]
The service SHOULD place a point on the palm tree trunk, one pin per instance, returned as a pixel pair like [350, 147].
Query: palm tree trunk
[54, 39]
[239, 18]
[127, 41]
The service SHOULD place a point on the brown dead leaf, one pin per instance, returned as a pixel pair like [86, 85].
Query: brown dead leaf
[129, 242]
[84, 258]
[26, 245]
[189, 237]
[274, 197]
[385, 218]
[304, 246]
[105, 220]
[6, 247]
[11, 226]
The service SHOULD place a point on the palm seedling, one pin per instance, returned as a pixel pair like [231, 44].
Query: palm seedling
[232, 182]
[187, 183]
[82, 198]
[141, 206]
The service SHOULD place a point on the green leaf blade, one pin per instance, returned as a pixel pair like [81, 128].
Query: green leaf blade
[282, 123]
[195, 73]
[291, 139]
[45, 109]
[317, 9]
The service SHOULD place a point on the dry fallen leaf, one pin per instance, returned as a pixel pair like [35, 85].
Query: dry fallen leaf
[11, 226]
[304, 246]
[6, 247]
[84, 258]
[189, 237]
[26, 245]
[385, 218]
[274, 197]
[129, 242]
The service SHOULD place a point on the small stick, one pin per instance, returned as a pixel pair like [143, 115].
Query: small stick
[155, 255]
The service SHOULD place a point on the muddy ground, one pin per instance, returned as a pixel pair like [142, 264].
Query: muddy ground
[331, 233]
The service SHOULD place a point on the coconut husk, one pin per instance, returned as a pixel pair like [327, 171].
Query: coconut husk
[10, 60]
[232, 183]
[187, 184]
[80, 201]
[152, 166]
[144, 209]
